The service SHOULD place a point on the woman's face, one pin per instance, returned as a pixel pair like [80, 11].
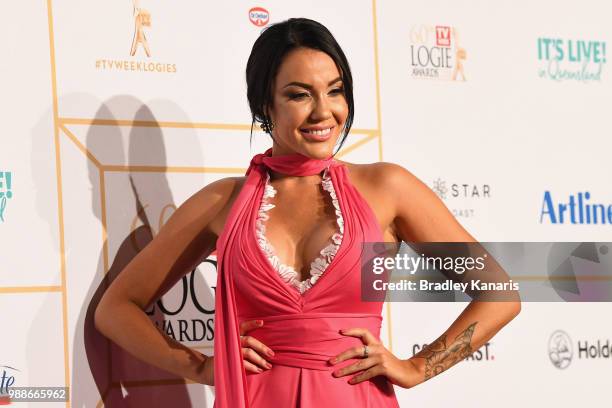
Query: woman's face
[308, 108]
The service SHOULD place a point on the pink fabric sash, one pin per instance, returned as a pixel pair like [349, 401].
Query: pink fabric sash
[318, 334]
[230, 376]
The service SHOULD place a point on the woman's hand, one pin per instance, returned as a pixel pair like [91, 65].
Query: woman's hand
[379, 361]
[253, 349]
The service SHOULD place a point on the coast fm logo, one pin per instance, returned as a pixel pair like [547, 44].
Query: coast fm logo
[188, 307]
[484, 353]
[141, 19]
[259, 16]
[561, 349]
[6, 191]
[462, 193]
[571, 60]
[436, 53]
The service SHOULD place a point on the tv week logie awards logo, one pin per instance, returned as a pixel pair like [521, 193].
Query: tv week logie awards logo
[142, 23]
[436, 53]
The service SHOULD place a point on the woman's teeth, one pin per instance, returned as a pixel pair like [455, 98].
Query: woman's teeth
[318, 132]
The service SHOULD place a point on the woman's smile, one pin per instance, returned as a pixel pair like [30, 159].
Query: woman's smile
[318, 133]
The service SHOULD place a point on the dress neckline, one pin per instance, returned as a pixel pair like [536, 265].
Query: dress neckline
[320, 265]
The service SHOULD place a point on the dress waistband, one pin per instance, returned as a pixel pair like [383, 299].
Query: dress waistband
[309, 340]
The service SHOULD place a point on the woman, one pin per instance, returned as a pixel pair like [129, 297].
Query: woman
[274, 280]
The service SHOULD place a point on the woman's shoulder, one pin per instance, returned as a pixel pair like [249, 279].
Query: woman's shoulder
[206, 207]
[218, 197]
[385, 175]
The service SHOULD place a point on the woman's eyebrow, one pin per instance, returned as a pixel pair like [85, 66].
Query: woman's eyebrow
[307, 86]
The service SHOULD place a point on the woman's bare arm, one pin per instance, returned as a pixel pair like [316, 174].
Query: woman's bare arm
[182, 243]
[420, 216]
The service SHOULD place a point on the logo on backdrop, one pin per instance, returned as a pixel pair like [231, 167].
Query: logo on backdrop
[7, 379]
[141, 20]
[561, 349]
[188, 307]
[259, 16]
[436, 52]
[578, 209]
[484, 353]
[571, 60]
[6, 191]
[461, 192]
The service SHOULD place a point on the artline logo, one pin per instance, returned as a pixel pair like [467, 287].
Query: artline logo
[574, 60]
[436, 53]
[561, 349]
[461, 191]
[482, 354]
[139, 41]
[6, 191]
[577, 210]
[259, 16]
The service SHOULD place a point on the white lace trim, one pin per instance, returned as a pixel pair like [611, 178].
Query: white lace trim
[320, 264]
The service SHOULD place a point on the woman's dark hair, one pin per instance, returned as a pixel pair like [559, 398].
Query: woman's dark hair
[268, 53]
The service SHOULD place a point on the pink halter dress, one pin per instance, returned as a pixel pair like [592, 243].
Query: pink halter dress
[301, 319]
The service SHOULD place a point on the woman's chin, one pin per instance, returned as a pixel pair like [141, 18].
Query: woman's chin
[319, 151]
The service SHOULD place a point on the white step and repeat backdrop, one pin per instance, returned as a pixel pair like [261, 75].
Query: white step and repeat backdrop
[500, 107]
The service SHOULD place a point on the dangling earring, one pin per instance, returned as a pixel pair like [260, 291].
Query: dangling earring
[267, 126]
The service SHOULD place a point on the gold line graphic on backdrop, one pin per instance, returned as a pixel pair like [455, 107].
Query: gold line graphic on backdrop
[60, 204]
[30, 289]
[379, 134]
[178, 125]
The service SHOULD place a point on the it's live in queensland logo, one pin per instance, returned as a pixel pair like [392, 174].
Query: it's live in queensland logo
[571, 60]
[577, 208]
[436, 52]
[6, 191]
[140, 44]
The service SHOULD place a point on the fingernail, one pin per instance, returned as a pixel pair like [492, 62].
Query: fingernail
[259, 370]
[260, 322]
[270, 353]
[333, 360]
[268, 365]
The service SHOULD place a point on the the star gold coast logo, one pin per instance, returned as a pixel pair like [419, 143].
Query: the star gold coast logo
[461, 197]
[436, 53]
[141, 23]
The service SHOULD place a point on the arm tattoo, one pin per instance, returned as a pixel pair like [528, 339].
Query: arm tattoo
[438, 357]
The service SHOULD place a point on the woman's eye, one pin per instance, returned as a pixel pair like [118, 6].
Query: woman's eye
[301, 95]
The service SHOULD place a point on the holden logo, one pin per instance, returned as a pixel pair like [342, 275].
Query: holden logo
[259, 16]
[560, 349]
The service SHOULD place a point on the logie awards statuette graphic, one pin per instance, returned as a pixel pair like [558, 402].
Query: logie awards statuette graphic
[142, 18]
